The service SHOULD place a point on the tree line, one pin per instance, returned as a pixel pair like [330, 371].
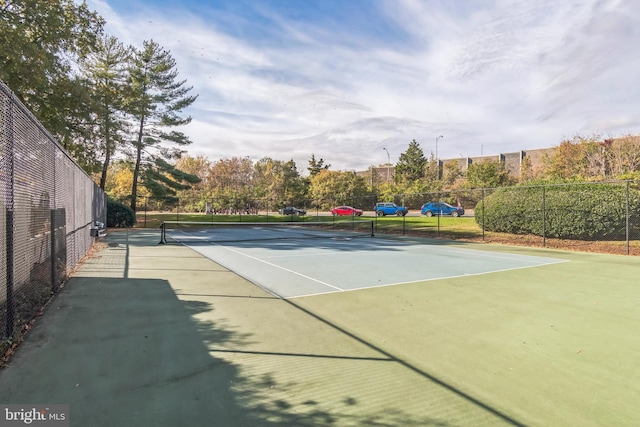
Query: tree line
[115, 108]
[238, 183]
[97, 96]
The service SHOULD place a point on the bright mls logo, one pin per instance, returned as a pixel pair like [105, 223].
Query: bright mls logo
[34, 415]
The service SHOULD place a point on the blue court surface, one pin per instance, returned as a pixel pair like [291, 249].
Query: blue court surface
[297, 267]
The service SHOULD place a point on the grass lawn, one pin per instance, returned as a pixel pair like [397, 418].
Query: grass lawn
[429, 226]
[462, 228]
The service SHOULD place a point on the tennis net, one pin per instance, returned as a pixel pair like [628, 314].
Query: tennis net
[219, 232]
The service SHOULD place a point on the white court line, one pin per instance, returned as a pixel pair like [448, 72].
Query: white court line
[532, 263]
[458, 250]
[479, 253]
[273, 265]
[429, 280]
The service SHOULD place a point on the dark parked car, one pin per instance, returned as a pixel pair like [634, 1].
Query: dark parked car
[346, 211]
[290, 210]
[439, 208]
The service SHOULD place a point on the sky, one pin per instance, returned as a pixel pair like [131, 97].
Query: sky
[353, 82]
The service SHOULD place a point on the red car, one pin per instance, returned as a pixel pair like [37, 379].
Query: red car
[345, 211]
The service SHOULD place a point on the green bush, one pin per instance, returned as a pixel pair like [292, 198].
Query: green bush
[119, 215]
[573, 211]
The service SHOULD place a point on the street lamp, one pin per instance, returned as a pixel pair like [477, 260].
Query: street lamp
[437, 138]
[388, 165]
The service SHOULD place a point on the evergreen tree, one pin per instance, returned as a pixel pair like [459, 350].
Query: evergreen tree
[411, 164]
[163, 179]
[157, 98]
[295, 188]
[106, 69]
[316, 166]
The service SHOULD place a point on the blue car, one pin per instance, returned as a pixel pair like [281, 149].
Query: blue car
[383, 209]
[439, 208]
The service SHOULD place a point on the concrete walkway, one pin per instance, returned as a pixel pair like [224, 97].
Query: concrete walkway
[122, 349]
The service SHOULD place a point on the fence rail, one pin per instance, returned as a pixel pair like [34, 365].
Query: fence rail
[48, 206]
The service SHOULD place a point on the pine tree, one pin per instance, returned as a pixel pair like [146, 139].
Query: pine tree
[106, 70]
[411, 164]
[157, 99]
[315, 166]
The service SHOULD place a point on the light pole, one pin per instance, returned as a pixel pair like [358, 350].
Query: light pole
[438, 161]
[437, 138]
[372, 178]
[388, 165]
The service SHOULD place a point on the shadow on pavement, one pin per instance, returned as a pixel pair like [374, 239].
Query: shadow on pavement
[127, 351]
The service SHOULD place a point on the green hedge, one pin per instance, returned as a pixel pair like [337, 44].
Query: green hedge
[119, 215]
[573, 211]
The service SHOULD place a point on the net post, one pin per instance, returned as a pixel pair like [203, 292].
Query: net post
[372, 228]
[163, 239]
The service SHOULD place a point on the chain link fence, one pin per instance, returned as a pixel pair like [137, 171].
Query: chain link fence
[48, 207]
[247, 208]
[598, 217]
[595, 217]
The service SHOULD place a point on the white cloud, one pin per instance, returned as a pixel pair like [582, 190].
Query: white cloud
[504, 76]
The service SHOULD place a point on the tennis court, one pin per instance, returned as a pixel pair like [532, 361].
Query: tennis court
[450, 333]
[295, 260]
[419, 333]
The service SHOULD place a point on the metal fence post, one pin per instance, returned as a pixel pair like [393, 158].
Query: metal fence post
[52, 221]
[439, 212]
[404, 217]
[627, 219]
[544, 216]
[10, 226]
[483, 214]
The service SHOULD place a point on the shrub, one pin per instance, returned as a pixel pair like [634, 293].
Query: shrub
[573, 211]
[119, 215]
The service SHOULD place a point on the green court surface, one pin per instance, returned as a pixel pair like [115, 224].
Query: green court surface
[160, 335]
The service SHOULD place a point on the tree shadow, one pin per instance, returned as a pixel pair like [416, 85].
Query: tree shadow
[273, 395]
[267, 400]
[138, 351]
